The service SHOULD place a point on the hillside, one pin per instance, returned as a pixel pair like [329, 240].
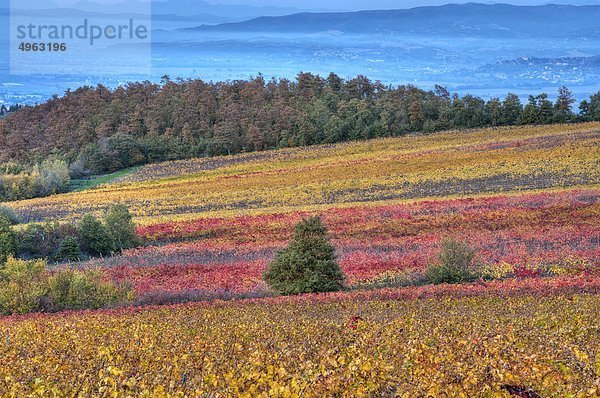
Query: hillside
[357, 345]
[432, 230]
[487, 161]
[526, 195]
[96, 130]
[497, 20]
[525, 199]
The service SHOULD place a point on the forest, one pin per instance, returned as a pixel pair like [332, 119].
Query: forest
[97, 130]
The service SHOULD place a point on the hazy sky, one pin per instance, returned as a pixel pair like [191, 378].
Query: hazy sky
[347, 4]
[385, 4]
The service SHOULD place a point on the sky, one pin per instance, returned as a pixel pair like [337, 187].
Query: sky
[301, 5]
[386, 4]
[355, 5]
[351, 5]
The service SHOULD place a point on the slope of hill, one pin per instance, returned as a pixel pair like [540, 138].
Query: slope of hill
[498, 20]
[509, 159]
[526, 199]
[352, 345]
[523, 197]
[98, 130]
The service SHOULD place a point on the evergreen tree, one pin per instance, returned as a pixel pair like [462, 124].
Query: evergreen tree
[584, 109]
[511, 109]
[539, 110]
[546, 109]
[69, 249]
[493, 109]
[531, 112]
[594, 106]
[308, 264]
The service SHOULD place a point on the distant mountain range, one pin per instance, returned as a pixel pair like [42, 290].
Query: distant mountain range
[496, 20]
[241, 11]
[173, 8]
[191, 8]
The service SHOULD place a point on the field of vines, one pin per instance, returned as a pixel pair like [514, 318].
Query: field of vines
[515, 236]
[525, 199]
[482, 162]
[381, 344]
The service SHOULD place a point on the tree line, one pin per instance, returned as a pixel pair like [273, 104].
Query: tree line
[97, 130]
[4, 110]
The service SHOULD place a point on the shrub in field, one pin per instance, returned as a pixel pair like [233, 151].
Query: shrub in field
[94, 236]
[23, 285]
[26, 286]
[569, 266]
[67, 241]
[9, 214]
[456, 263]
[8, 244]
[69, 249]
[74, 290]
[308, 264]
[48, 178]
[121, 228]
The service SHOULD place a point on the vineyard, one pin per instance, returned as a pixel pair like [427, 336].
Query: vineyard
[525, 233]
[525, 199]
[378, 344]
[482, 162]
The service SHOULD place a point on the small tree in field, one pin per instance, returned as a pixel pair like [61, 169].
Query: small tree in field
[9, 214]
[69, 249]
[308, 264]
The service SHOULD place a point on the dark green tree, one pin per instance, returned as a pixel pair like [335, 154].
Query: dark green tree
[594, 106]
[539, 110]
[69, 249]
[126, 151]
[494, 112]
[584, 109]
[9, 214]
[511, 109]
[308, 264]
[546, 108]
[95, 239]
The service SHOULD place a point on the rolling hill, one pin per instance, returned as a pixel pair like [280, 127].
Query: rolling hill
[466, 260]
[526, 199]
